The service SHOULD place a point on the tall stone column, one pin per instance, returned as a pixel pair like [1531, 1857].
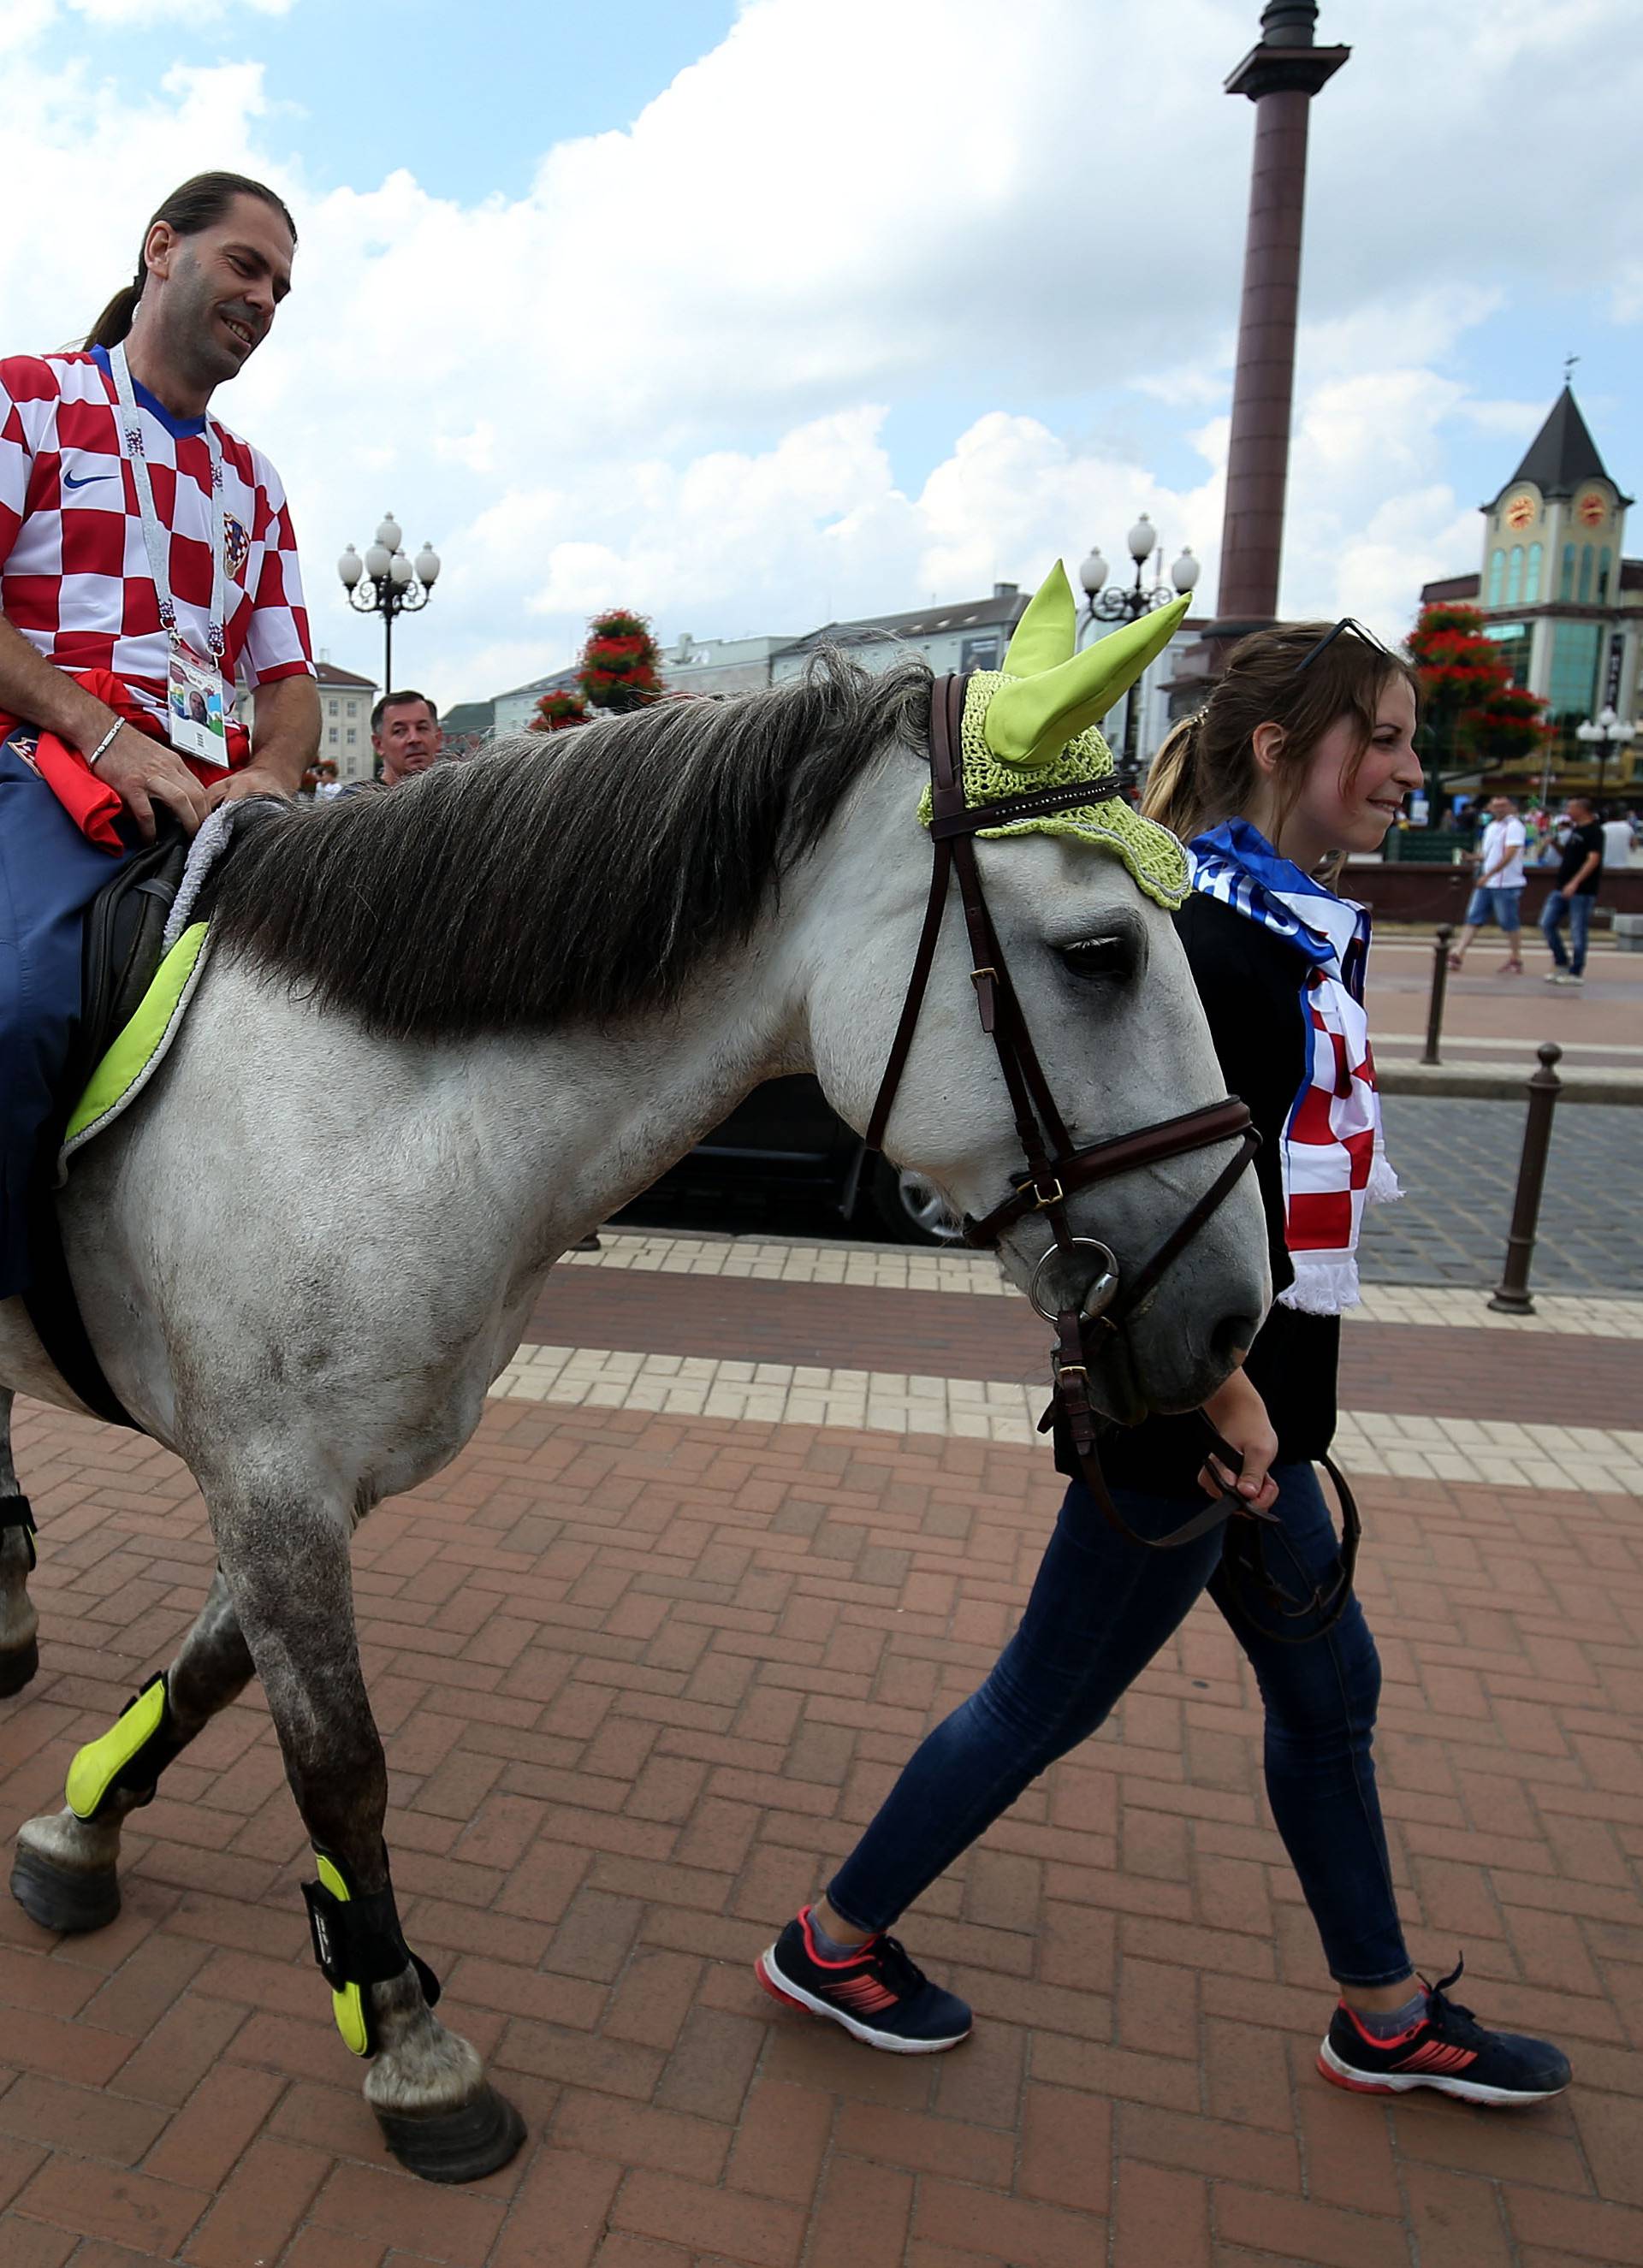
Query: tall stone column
[1280, 77]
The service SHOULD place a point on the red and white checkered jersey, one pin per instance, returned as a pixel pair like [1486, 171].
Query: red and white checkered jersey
[74, 572]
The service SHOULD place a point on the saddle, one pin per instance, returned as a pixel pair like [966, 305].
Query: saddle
[124, 928]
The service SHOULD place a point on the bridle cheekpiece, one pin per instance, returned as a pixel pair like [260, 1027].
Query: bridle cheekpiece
[1015, 752]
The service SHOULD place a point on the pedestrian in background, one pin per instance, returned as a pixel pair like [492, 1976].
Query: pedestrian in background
[1574, 893]
[405, 734]
[1497, 893]
[1619, 834]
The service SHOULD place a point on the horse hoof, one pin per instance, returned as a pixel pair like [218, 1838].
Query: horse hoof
[17, 1666]
[66, 1899]
[455, 2146]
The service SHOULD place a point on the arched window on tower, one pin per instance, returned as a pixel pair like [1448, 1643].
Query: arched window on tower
[1603, 575]
[1514, 575]
[1583, 596]
[1497, 571]
[1565, 584]
[1531, 587]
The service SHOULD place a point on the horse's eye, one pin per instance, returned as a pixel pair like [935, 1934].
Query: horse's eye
[1095, 957]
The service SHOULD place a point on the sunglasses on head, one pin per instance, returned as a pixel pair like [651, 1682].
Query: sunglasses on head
[1346, 622]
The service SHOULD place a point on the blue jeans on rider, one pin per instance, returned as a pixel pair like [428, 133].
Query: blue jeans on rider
[1101, 1609]
[1578, 911]
[49, 874]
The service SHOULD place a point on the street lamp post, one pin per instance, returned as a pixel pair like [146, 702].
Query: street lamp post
[385, 582]
[1127, 603]
[1606, 732]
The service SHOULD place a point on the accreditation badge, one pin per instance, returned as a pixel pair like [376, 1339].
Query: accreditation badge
[195, 719]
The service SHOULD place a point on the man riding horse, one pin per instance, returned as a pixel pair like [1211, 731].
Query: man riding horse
[146, 555]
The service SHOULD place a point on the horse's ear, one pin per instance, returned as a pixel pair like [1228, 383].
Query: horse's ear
[1029, 720]
[1048, 631]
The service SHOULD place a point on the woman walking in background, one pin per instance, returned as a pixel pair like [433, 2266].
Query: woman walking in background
[1304, 751]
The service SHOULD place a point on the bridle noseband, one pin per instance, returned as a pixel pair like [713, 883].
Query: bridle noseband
[1056, 1168]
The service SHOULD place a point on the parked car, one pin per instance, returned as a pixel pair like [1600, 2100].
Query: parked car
[787, 1136]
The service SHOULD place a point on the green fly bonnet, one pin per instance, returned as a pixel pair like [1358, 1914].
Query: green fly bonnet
[1032, 725]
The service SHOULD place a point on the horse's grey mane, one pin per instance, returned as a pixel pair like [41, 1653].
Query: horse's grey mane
[583, 875]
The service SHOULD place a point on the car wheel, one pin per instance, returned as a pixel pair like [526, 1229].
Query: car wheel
[913, 1208]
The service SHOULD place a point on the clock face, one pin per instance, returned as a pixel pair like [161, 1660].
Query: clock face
[1591, 511]
[1520, 512]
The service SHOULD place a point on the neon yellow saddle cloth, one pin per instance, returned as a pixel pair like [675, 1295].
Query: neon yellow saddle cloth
[142, 1046]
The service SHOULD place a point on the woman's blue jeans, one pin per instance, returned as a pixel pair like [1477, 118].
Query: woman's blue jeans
[1101, 1609]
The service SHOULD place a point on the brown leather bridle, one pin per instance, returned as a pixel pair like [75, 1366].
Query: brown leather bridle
[1056, 1168]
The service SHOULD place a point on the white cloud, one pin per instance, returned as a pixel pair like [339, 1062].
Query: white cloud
[670, 371]
[122, 14]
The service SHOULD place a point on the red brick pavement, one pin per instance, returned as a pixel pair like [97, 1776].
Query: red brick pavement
[641, 1679]
[1416, 1369]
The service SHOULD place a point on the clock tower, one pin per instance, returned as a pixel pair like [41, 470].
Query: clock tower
[1551, 579]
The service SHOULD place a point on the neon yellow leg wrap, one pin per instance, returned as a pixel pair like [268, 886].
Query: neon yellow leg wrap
[357, 1943]
[130, 1755]
[348, 2001]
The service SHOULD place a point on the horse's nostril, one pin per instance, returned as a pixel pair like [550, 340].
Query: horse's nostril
[1234, 1335]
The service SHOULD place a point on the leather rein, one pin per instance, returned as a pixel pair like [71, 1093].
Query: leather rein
[1057, 1169]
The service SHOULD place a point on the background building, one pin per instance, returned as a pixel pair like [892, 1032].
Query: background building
[1556, 592]
[971, 634]
[511, 711]
[345, 702]
[467, 726]
[693, 664]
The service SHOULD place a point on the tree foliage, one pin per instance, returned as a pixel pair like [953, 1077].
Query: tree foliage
[1471, 710]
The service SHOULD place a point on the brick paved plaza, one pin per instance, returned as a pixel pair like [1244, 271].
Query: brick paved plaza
[644, 1667]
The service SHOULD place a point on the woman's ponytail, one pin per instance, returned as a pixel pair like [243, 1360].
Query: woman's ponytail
[1175, 795]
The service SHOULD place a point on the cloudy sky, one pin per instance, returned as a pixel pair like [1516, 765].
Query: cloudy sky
[757, 316]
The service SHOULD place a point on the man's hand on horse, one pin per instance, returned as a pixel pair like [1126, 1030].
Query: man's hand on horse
[257, 779]
[144, 772]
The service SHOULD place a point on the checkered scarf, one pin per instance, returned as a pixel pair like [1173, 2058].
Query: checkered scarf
[1334, 1158]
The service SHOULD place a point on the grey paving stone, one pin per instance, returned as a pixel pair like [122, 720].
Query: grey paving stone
[1458, 1162]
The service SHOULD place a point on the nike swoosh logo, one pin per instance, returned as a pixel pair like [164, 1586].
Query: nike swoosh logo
[84, 480]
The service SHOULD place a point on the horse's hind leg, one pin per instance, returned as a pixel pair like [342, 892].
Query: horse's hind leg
[65, 1874]
[288, 1568]
[20, 1652]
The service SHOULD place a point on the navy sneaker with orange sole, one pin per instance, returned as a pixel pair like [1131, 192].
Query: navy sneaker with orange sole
[879, 1995]
[1448, 2049]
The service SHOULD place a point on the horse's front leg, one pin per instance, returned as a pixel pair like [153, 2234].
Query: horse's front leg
[65, 1874]
[288, 1569]
[19, 1651]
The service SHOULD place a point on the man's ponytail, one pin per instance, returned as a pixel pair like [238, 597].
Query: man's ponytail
[115, 323]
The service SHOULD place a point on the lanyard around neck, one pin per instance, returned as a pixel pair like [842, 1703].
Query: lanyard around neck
[156, 539]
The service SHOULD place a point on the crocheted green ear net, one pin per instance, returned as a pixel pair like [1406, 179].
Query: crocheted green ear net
[1032, 724]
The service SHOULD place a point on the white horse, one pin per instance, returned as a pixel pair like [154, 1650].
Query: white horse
[444, 1029]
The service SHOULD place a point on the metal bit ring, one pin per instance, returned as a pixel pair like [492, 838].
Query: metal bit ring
[1101, 1293]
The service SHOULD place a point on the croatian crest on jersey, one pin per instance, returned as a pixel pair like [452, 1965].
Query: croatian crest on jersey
[238, 548]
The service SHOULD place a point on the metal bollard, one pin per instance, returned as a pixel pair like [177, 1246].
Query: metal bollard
[1512, 1295]
[1440, 986]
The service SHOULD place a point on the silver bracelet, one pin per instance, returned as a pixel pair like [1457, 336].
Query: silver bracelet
[106, 743]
